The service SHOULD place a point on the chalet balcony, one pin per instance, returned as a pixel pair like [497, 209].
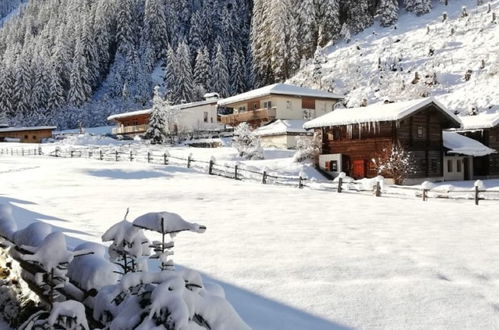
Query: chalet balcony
[136, 129]
[252, 117]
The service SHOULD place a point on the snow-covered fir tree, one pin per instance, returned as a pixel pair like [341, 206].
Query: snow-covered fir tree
[220, 73]
[418, 7]
[157, 130]
[247, 143]
[388, 12]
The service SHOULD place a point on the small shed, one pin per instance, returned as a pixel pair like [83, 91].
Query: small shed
[282, 133]
[460, 154]
[26, 134]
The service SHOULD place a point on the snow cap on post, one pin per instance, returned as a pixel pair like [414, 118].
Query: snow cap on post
[427, 185]
[479, 184]
[303, 174]
[342, 175]
[166, 223]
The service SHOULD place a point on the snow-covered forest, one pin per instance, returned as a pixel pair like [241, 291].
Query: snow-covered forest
[75, 61]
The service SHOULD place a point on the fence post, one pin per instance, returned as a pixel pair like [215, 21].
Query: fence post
[22, 152]
[377, 189]
[116, 155]
[131, 155]
[165, 159]
[426, 186]
[148, 156]
[210, 167]
[425, 197]
[478, 186]
[477, 191]
[71, 153]
[264, 177]
[101, 157]
[39, 151]
[189, 159]
[300, 182]
[235, 171]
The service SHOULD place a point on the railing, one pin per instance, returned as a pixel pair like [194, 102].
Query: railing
[248, 173]
[130, 129]
[252, 115]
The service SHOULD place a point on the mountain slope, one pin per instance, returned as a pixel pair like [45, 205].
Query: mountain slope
[381, 63]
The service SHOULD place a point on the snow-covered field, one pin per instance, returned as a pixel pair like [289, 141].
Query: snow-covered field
[288, 258]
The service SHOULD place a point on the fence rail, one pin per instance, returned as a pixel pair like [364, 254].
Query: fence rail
[241, 172]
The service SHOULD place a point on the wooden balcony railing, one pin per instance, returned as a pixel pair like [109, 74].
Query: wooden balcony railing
[137, 129]
[260, 115]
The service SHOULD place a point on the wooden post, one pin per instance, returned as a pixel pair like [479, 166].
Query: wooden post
[235, 172]
[90, 154]
[300, 182]
[264, 177]
[39, 151]
[57, 152]
[148, 156]
[71, 153]
[165, 159]
[340, 183]
[101, 157]
[477, 197]
[210, 167]
[116, 155]
[425, 192]
[377, 191]
[131, 155]
[22, 150]
[189, 159]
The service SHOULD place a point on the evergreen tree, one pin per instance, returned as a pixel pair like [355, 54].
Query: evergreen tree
[388, 12]
[80, 89]
[202, 72]
[171, 72]
[329, 25]
[358, 15]
[307, 26]
[156, 131]
[418, 7]
[184, 86]
[155, 29]
[220, 73]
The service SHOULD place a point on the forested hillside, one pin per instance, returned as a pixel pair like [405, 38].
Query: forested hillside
[76, 61]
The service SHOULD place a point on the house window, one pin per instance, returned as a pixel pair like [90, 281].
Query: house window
[242, 109]
[267, 104]
[449, 166]
[34, 137]
[211, 120]
[205, 117]
[255, 106]
[420, 132]
[459, 165]
[336, 134]
[25, 137]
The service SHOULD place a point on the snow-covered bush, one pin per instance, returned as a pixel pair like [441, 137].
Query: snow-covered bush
[247, 143]
[395, 163]
[167, 299]
[67, 315]
[157, 130]
[128, 245]
[307, 148]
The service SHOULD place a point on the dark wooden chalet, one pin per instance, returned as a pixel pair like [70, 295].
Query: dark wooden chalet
[484, 128]
[352, 138]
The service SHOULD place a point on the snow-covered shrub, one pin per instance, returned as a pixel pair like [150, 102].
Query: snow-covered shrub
[128, 245]
[167, 299]
[67, 315]
[307, 148]
[157, 130]
[247, 143]
[395, 163]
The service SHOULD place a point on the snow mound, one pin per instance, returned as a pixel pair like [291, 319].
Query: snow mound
[33, 235]
[7, 224]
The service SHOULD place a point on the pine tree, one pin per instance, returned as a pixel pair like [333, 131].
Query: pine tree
[418, 7]
[171, 72]
[156, 131]
[388, 12]
[155, 29]
[307, 26]
[202, 72]
[358, 15]
[220, 73]
[80, 89]
[329, 25]
[184, 86]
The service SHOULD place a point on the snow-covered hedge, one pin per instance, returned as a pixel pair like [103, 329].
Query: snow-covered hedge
[116, 286]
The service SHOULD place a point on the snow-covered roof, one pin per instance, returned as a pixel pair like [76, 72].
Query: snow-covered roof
[480, 121]
[378, 112]
[281, 126]
[279, 89]
[20, 129]
[459, 144]
[148, 111]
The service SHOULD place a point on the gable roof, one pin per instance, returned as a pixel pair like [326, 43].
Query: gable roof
[22, 129]
[480, 121]
[280, 127]
[149, 111]
[460, 144]
[377, 112]
[279, 89]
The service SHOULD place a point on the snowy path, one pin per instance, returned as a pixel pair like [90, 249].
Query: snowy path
[289, 258]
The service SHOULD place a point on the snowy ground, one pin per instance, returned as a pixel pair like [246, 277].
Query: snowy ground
[288, 258]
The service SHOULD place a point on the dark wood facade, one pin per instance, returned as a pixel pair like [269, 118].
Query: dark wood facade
[34, 135]
[487, 166]
[420, 134]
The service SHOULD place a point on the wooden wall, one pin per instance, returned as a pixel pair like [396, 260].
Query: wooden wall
[33, 136]
[487, 165]
[420, 134]
[134, 120]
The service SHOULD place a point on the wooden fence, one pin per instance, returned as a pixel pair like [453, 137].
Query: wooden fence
[241, 172]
